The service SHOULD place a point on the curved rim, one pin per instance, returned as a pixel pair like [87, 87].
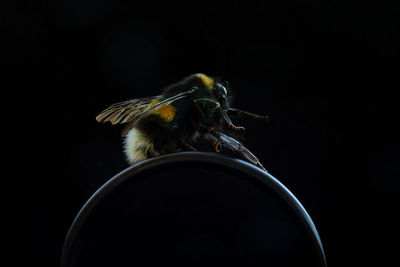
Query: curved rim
[236, 164]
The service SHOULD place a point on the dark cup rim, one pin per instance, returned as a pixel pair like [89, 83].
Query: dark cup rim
[236, 164]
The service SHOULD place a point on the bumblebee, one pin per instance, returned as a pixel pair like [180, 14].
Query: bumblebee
[194, 108]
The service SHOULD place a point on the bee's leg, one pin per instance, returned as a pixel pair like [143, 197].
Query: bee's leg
[238, 112]
[216, 142]
[226, 118]
[235, 145]
[189, 147]
[236, 128]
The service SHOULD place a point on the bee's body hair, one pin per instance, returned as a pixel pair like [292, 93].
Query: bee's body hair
[153, 136]
[138, 146]
[195, 108]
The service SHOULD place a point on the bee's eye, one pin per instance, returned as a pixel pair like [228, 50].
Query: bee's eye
[224, 90]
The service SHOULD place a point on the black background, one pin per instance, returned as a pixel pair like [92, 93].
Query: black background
[324, 71]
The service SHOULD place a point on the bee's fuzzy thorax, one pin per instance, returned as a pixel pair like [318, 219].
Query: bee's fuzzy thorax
[137, 146]
[207, 81]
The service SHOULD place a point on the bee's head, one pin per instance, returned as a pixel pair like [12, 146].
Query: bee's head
[208, 89]
[209, 97]
[221, 94]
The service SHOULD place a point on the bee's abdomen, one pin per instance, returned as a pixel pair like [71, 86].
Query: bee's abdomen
[138, 146]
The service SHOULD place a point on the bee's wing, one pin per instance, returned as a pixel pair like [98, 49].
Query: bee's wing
[163, 101]
[166, 101]
[126, 111]
[132, 110]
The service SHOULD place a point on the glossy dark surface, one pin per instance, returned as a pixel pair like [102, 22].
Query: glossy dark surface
[193, 209]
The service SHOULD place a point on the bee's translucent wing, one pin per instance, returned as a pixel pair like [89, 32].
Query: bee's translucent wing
[132, 110]
[162, 102]
[126, 111]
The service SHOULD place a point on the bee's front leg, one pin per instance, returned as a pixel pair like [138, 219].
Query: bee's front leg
[236, 128]
[238, 112]
[228, 121]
